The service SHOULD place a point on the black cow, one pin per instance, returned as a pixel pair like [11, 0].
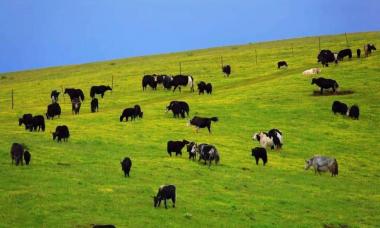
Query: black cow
[183, 80]
[94, 105]
[149, 80]
[201, 87]
[260, 153]
[165, 192]
[201, 122]
[325, 57]
[54, 96]
[99, 90]
[38, 123]
[354, 112]
[339, 107]
[126, 165]
[226, 70]
[176, 146]
[17, 153]
[167, 82]
[75, 106]
[343, 53]
[208, 88]
[178, 108]
[74, 93]
[358, 51]
[138, 111]
[27, 157]
[191, 149]
[27, 120]
[207, 153]
[61, 132]
[53, 110]
[131, 112]
[368, 48]
[324, 83]
[281, 64]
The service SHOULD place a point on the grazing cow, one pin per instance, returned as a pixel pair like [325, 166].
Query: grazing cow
[343, 53]
[208, 153]
[358, 51]
[149, 80]
[192, 150]
[259, 152]
[17, 153]
[27, 120]
[322, 163]
[167, 82]
[38, 123]
[99, 90]
[53, 110]
[354, 112]
[208, 88]
[183, 80]
[126, 165]
[325, 57]
[368, 48]
[176, 146]
[27, 157]
[165, 192]
[75, 106]
[201, 87]
[131, 112]
[324, 83]
[75, 93]
[138, 112]
[201, 122]
[339, 107]
[54, 96]
[312, 71]
[94, 105]
[226, 70]
[272, 139]
[281, 64]
[178, 108]
[61, 132]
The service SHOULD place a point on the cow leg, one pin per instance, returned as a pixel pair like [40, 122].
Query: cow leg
[175, 87]
[179, 88]
[173, 200]
[166, 207]
[321, 90]
[209, 129]
[102, 95]
[257, 160]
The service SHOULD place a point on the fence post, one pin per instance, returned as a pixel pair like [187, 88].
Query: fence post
[112, 85]
[180, 68]
[63, 95]
[12, 100]
[221, 61]
[319, 43]
[345, 34]
[256, 56]
[292, 50]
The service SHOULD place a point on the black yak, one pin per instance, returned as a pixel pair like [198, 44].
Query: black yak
[354, 112]
[17, 153]
[324, 83]
[149, 80]
[75, 106]
[126, 165]
[343, 53]
[176, 146]
[165, 192]
[325, 57]
[202, 122]
[132, 113]
[94, 105]
[281, 64]
[53, 110]
[27, 157]
[339, 107]
[99, 90]
[75, 93]
[260, 153]
[54, 96]
[61, 132]
[226, 70]
[179, 108]
[358, 51]
[27, 120]
[38, 123]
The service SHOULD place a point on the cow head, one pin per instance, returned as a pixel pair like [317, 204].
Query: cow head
[141, 114]
[185, 141]
[54, 134]
[108, 88]
[20, 121]
[256, 136]
[155, 201]
[313, 81]
[121, 118]
[308, 163]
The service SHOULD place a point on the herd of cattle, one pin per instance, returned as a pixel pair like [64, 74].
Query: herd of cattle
[272, 139]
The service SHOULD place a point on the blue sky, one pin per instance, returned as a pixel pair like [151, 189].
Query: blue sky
[41, 33]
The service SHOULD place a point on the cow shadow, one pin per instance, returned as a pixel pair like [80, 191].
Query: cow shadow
[317, 93]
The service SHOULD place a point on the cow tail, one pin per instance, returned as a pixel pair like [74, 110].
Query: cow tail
[336, 167]
[215, 119]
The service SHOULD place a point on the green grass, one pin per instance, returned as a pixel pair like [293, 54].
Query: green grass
[236, 193]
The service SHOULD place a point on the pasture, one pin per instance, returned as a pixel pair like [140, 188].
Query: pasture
[80, 182]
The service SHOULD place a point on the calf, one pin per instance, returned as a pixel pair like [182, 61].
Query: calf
[183, 80]
[226, 70]
[354, 112]
[27, 157]
[176, 146]
[358, 51]
[260, 153]
[27, 120]
[191, 149]
[53, 110]
[126, 165]
[201, 87]
[339, 107]
[17, 153]
[281, 64]
[94, 105]
[54, 96]
[312, 71]
[38, 123]
[324, 83]
[61, 132]
[201, 122]
[75, 106]
[208, 88]
[99, 90]
[165, 192]
[343, 53]
[149, 80]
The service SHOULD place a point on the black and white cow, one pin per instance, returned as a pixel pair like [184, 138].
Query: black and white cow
[260, 153]
[226, 70]
[176, 146]
[354, 112]
[75, 106]
[324, 83]
[339, 107]
[94, 105]
[149, 80]
[192, 150]
[99, 90]
[61, 132]
[343, 53]
[75, 93]
[183, 80]
[53, 110]
[368, 48]
[202, 122]
[282, 64]
[358, 52]
[272, 139]
[126, 165]
[38, 123]
[207, 152]
[54, 96]
[27, 120]
[17, 153]
[167, 82]
[179, 108]
[165, 192]
[326, 56]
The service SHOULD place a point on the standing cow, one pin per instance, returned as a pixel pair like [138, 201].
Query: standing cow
[99, 90]
[126, 165]
[75, 106]
[17, 154]
[226, 70]
[183, 80]
[165, 192]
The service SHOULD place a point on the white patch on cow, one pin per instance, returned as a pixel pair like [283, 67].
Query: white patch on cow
[189, 81]
[193, 149]
[279, 136]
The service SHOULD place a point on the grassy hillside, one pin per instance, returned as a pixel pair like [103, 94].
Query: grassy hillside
[90, 187]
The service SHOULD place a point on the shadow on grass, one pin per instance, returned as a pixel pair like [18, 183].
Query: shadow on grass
[317, 93]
